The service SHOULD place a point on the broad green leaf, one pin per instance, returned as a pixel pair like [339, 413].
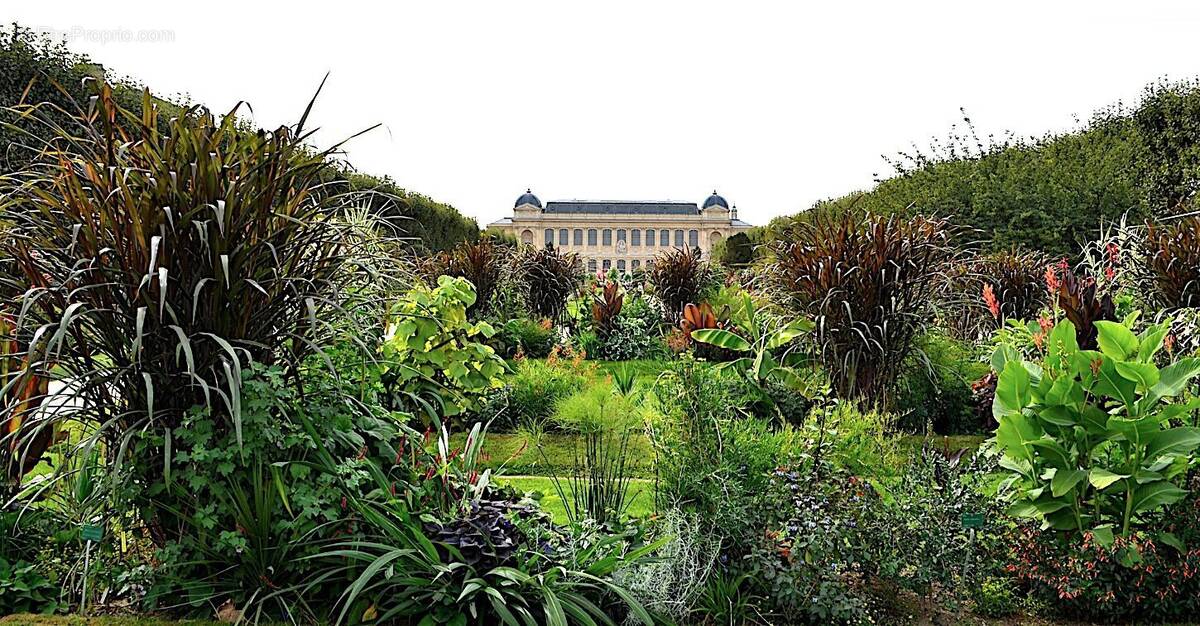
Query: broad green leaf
[793, 330]
[1103, 535]
[1116, 340]
[1173, 441]
[1153, 495]
[1151, 341]
[1014, 434]
[1065, 480]
[1062, 342]
[1172, 540]
[1174, 378]
[721, 339]
[1144, 374]
[1102, 478]
[1012, 389]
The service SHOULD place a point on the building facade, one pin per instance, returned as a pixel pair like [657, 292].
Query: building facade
[621, 235]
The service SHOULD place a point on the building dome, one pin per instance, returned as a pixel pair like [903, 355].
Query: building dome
[716, 200]
[529, 198]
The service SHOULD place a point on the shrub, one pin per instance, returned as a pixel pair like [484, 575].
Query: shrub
[1172, 262]
[869, 284]
[434, 363]
[680, 276]
[913, 536]
[546, 278]
[934, 390]
[260, 508]
[525, 337]
[1137, 577]
[153, 266]
[993, 287]
[1087, 436]
[484, 558]
[536, 388]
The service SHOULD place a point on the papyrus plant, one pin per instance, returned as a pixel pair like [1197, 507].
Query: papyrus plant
[1095, 439]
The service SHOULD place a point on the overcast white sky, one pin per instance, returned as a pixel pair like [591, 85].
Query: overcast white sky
[776, 105]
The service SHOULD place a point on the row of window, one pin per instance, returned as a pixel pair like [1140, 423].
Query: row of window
[607, 264]
[634, 237]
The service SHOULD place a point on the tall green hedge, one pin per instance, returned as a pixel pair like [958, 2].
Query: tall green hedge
[1051, 193]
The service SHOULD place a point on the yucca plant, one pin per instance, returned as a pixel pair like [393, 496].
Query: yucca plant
[153, 266]
[606, 306]
[681, 276]
[870, 284]
[1172, 262]
[546, 278]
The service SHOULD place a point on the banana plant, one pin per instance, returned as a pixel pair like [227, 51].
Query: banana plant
[1095, 440]
[760, 338]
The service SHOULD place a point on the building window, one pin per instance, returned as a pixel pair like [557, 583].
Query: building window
[694, 238]
[636, 262]
[621, 234]
[527, 236]
[650, 237]
[591, 236]
[665, 238]
[621, 266]
[578, 236]
[591, 266]
[549, 236]
[679, 239]
[563, 237]
[607, 237]
[635, 237]
[607, 265]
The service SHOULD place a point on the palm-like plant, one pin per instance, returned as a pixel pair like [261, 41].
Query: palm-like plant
[153, 266]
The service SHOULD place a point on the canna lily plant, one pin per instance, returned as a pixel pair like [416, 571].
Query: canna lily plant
[1094, 439]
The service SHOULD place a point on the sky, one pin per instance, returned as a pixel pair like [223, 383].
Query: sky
[774, 104]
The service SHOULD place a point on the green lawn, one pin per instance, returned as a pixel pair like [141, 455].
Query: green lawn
[553, 453]
[641, 495]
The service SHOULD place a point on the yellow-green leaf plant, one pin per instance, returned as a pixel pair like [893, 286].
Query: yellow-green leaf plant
[434, 364]
[1095, 440]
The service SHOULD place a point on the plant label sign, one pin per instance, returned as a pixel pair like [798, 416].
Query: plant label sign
[91, 533]
[972, 520]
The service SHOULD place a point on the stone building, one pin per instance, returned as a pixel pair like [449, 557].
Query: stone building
[621, 234]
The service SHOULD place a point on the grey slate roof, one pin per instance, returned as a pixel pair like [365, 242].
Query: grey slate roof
[621, 207]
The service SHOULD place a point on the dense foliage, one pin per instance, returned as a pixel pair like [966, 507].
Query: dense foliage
[869, 284]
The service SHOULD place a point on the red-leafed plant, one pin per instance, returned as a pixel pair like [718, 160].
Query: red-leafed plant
[679, 277]
[869, 283]
[606, 306]
[1080, 300]
[1172, 262]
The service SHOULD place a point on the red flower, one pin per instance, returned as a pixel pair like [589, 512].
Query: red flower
[989, 296]
[1052, 281]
